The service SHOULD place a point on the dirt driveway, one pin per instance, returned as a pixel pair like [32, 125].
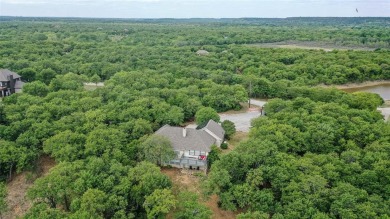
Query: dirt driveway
[243, 120]
[385, 112]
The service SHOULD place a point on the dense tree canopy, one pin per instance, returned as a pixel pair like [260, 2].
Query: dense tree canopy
[308, 159]
[203, 115]
[319, 152]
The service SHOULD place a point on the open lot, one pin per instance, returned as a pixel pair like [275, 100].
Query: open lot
[309, 45]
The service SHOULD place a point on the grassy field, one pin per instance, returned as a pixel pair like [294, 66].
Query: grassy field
[309, 45]
[235, 140]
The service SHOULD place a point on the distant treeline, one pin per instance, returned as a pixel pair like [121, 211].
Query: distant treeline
[334, 21]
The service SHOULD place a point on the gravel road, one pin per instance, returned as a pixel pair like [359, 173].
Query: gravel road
[243, 120]
[385, 112]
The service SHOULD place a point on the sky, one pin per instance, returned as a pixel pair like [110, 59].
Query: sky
[195, 8]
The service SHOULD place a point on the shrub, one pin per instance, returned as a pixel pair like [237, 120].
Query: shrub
[229, 128]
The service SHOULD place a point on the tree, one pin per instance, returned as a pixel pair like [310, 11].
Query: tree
[109, 143]
[159, 203]
[229, 128]
[95, 79]
[56, 188]
[363, 100]
[188, 207]
[142, 181]
[213, 155]
[40, 210]
[12, 157]
[36, 88]
[93, 204]
[65, 146]
[39, 36]
[157, 149]
[204, 114]
[141, 127]
[28, 74]
[69, 81]
[46, 75]
[253, 215]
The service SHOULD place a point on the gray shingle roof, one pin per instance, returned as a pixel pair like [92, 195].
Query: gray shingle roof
[194, 140]
[4, 73]
[215, 128]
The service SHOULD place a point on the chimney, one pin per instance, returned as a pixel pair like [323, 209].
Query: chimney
[184, 132]
[11, 84]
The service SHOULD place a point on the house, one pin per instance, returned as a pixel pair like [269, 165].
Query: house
[10, 82]
[202, 52]
[191, 145]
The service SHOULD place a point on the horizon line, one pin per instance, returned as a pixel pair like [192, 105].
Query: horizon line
[188, 18]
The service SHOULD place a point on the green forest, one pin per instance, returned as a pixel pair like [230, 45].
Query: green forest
[318, 153]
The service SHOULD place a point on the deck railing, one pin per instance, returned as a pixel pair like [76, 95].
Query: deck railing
[187, 162]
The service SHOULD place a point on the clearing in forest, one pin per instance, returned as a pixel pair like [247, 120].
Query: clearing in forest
[18, 204]
[188, 180]
[314, 45]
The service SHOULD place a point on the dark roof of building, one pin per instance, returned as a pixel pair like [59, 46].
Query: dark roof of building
[5, 73]
[215, 128]
[194, 140]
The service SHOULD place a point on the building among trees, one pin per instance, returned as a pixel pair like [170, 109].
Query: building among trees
[191, 145]
[10, 82]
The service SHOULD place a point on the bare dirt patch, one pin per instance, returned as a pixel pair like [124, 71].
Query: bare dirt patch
[218, 213]
[183, 180]
[188, 180]
[18, 204]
